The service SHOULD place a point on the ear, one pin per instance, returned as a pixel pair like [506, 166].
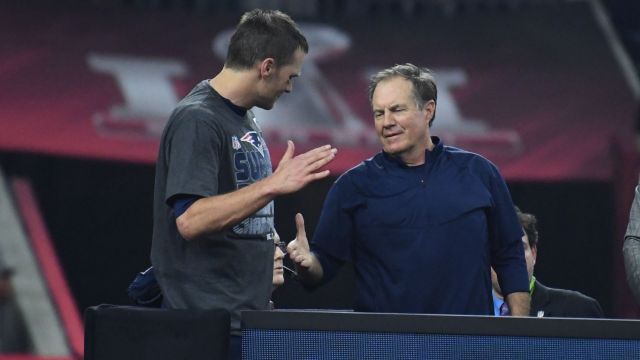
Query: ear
[267, 67]
[430, 109]
[534, 254]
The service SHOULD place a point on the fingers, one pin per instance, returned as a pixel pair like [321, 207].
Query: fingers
[324, 154]
[301, 232]
[293, 173]
[317, 176]
[304, 260]
[322, 161]
[288, 154]
[297, 252]
[315, 151]
[310, 157]
[298, 249]
[316, 159]
[292, 247]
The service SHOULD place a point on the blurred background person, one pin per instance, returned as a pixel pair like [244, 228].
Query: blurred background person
[545, 301]
[278, 264]
[14, 337]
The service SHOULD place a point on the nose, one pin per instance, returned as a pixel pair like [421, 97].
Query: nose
[279, 253]
[289, 86]
[388, 120]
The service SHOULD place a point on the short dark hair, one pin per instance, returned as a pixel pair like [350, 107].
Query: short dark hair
[264, 34]
[424, 85]
[529, 224]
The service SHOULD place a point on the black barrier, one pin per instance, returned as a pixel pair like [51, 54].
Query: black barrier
[349, 335]
[136, 333]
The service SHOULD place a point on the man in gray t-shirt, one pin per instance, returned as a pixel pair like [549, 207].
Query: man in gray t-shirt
[214, 189]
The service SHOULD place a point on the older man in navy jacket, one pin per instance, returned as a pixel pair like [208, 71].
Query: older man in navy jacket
[421, 222]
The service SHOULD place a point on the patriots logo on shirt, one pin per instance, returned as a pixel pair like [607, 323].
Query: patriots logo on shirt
[255, 140]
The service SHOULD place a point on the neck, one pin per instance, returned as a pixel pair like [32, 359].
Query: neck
[236, 86]
[418, 155]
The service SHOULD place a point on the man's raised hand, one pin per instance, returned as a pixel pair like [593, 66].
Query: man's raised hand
[298, 248]
[295, 172]
[307, 265]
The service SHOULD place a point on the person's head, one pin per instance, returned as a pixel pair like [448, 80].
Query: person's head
[403, 99]
[529, 243]
[530, 239]
[6, 288]
[270, 42]
[278, 258]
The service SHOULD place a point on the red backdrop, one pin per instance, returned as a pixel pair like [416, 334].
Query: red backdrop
[538, 93]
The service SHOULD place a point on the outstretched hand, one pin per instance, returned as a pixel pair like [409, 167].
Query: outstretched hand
[298, 248]
[295, 172]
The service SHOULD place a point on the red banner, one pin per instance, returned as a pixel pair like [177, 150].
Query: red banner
[537, 92]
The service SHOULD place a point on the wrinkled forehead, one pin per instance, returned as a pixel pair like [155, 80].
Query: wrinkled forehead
[392, 91]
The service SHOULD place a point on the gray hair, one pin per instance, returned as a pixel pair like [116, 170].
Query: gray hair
[424, 85]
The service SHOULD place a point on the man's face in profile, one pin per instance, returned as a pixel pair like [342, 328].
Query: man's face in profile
[281, 81]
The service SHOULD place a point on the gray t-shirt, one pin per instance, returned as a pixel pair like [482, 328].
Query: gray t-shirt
[208, 149]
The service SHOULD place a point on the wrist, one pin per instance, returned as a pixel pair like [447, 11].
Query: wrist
[270, 187]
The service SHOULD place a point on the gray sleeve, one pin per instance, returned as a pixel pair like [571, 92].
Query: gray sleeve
[631, 247]
[194, 155]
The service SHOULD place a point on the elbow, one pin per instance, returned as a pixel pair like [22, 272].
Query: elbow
[630, 242]
[185, 227]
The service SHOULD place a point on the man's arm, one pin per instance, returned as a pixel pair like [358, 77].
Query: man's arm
[631, 247]
[308, 266]
[519, 303]
[507, 252]
[631, 251]
[214, 213]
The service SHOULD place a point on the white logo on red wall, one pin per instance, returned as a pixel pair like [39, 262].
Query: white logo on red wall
[314, 112]
[147, 89]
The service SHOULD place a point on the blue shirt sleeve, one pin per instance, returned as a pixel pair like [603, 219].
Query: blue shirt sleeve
[505, 234]
[180, 203]
[332, 239]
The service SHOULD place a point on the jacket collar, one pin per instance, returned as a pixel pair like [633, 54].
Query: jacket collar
[430, 156]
